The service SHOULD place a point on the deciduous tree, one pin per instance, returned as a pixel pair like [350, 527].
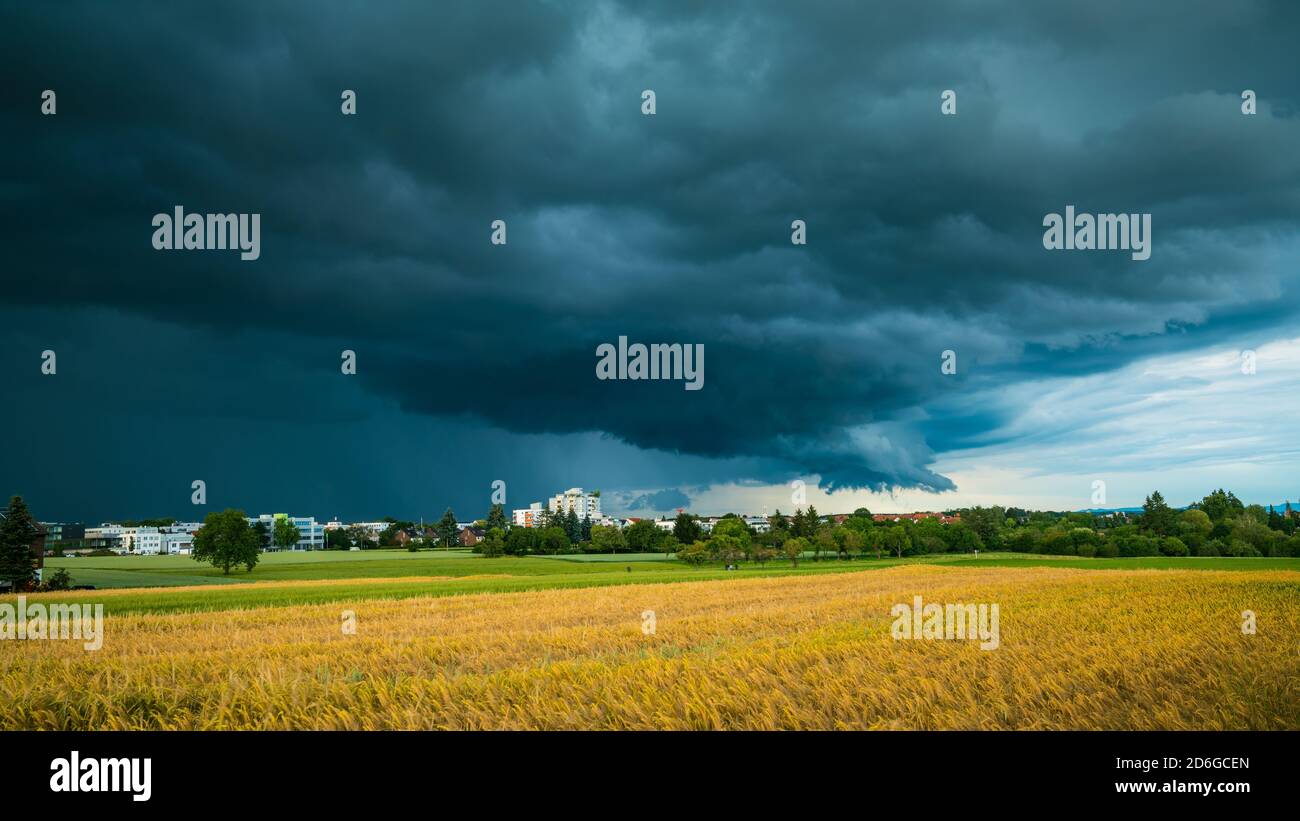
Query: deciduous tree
[226, 540]
[795, 547]
[494, 544]
[285, 534]
[553, 540]
[608, 539]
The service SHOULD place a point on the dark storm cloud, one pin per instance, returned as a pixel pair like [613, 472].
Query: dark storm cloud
[924, 231]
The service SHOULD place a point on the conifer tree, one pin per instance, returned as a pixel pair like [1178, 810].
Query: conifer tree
[17, 532]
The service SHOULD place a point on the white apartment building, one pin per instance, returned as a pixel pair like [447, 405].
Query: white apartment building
[311, 534]
[580, 502]
[584, 504]
[528, 516]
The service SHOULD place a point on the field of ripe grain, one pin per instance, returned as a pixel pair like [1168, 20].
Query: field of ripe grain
[1079, 649]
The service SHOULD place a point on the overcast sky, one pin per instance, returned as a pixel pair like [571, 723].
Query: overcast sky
[476, 362]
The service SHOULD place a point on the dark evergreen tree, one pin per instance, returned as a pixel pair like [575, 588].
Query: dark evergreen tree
[496, 519]
[17, 532]
[1274, 519]
[686, 529]
[777, 521]
[448, 532]
[1158, 517]
[796, 524]
[572, 526]
[812, 522]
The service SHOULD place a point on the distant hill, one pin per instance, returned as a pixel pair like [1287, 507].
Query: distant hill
[1099, 511]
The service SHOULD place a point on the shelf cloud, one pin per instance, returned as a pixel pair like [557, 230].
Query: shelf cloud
[924, 234]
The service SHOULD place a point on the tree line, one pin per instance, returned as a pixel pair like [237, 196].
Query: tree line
[1219, 524]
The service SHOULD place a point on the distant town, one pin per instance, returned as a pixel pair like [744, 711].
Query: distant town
[572, 521]
[174, 537]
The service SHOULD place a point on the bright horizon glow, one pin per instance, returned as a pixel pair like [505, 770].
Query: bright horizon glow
[1184, 424]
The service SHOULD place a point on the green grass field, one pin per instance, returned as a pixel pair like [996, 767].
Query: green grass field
[173, 571]
[162, 584]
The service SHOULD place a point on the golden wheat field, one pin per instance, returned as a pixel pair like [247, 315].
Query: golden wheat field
[1079, 649]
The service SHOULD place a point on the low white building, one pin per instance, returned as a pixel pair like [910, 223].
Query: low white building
[178, 543]
[146, 541]
[110, 535]
[160, 543]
